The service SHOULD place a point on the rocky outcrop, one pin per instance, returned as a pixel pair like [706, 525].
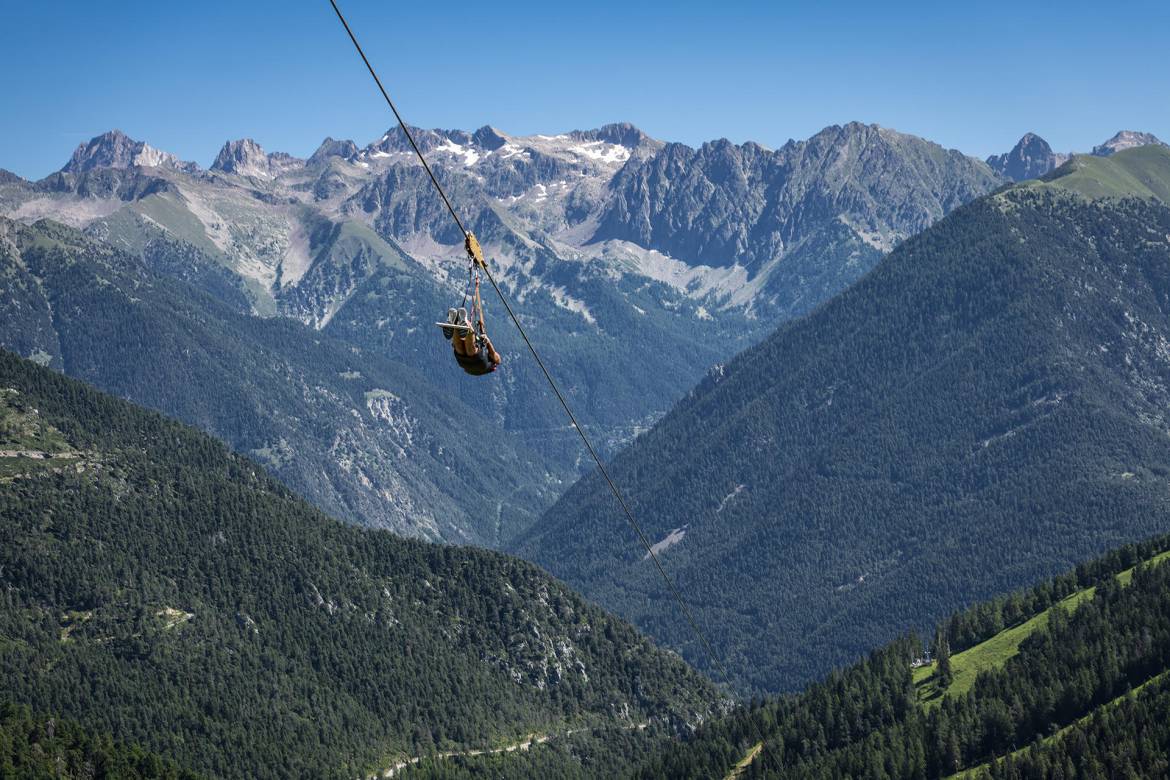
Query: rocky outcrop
[115, 149]
[1127, 139]
[245, 157]
[1030, 158]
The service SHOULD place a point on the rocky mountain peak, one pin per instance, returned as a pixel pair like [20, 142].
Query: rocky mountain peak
[725, 205]
[394, 140]
[851, 135]
[115, 149]
[487, 137]
[332, 147]
[245, 157]
[619, 133]
[242, 156]
[1030, 158]
[1126, 139]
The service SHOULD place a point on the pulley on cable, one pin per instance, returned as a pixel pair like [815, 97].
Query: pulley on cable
[470, 344]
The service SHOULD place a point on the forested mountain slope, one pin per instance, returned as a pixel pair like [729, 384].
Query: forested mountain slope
[985, 408]
[1082, 694]
[155, 587]
[364, 438]
[37, 747]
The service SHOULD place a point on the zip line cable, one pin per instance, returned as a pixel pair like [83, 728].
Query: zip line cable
[702, 637]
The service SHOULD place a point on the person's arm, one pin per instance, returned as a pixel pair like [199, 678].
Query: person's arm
[495, 356]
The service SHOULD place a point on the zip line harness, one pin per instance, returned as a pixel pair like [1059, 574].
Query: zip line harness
[470, 344]
[475, 254]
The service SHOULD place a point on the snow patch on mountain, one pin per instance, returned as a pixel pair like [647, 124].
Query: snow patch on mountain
[470, 156]
[602, 152]
[510, 150]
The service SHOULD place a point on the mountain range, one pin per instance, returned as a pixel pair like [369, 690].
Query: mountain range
[602, 239]
[983, 409]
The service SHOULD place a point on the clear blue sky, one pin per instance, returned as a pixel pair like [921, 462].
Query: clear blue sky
[186, 76]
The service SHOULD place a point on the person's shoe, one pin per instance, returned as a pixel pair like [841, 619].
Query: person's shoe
[453, 318]
[461, 316]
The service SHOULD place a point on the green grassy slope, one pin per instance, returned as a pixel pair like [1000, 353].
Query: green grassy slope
[993, 652]
[1141, 172]
[158, 588]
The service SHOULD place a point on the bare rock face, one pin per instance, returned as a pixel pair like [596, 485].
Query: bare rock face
[332, 147]
[117, 150]
[725, 204]
[245, 157]
[1127, 139]
[1031, 158]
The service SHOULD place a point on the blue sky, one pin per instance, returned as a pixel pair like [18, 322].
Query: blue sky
[188, 76]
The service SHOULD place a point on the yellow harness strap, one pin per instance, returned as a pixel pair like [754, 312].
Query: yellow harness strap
[471, 243]
[479, 308]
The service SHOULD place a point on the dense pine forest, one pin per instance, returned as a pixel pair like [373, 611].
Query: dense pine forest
[1079, 697]
[38, 747]
[157, 588]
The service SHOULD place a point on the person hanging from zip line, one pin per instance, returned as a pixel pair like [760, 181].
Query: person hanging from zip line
[470, 344]
[472, 348]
